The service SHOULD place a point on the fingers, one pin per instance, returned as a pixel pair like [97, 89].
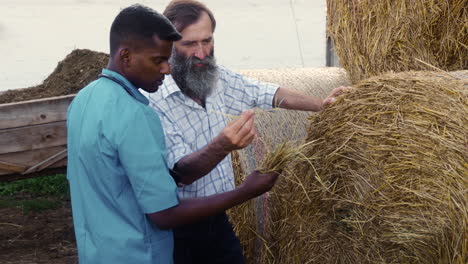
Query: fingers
[270, 180]
[247, 133]
[240, 132]
[328, 101]
[258, 183]
[240, 122]
[274, 176]
[340, 90]
[335, 93]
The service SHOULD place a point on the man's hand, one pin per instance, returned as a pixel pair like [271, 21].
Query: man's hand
[335, 93]
[237, 134]
[192, 210]
[257, 183]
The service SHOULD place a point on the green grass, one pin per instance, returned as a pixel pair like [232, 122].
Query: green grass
[54, 185]
[34, 205]
[35, 194]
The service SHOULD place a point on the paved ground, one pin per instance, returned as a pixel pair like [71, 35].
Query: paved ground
[36, 34]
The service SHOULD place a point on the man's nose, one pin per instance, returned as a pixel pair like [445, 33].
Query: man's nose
[200, 52]
[165, 68]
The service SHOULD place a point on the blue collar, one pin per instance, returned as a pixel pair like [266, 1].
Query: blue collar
[125, 84]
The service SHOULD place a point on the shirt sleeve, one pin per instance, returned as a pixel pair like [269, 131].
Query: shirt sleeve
[142, 154]
[243, 93]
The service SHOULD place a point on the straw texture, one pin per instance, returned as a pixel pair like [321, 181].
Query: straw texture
[373, 37]
[274, 128]
[383, 179]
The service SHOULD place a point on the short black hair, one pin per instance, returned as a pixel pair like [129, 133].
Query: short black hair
[139, 23]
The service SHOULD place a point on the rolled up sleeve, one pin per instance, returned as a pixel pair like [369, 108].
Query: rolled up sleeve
[243, 93]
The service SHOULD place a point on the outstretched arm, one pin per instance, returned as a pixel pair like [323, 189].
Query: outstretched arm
[292, 99]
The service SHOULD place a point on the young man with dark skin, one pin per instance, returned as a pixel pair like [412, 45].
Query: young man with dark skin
[124, 199]
[199, 139]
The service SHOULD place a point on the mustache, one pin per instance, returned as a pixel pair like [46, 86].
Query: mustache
[208, 60]
[191, 79]
[185, 63]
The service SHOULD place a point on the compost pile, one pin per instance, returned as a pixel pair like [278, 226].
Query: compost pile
[79, 68]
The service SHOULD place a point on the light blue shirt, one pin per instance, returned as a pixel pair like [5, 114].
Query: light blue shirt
[118, 173]
[189, 127]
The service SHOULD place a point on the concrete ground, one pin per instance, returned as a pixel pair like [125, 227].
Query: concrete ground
[36, 34]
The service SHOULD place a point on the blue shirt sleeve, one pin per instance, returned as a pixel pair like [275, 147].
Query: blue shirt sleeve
[142, 153]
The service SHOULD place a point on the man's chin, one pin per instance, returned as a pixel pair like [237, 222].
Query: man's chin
[151, 89]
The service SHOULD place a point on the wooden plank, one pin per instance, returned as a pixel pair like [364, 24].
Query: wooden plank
[59, 164]
[11, 167]
[33, 137]
[28, 159]
[34, 112]
[47, 162]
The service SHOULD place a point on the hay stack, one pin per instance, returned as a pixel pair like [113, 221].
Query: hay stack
[386, 179]
[373, 37]
[273, 128]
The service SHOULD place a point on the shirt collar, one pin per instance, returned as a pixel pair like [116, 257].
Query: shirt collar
[169, 87]
[133, 91]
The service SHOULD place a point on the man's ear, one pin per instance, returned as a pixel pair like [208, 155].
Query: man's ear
[124, 56]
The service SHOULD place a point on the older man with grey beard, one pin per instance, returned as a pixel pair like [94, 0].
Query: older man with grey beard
[199, 140]
[194, 81]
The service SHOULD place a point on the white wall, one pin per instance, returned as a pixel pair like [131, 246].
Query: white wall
[36, 34]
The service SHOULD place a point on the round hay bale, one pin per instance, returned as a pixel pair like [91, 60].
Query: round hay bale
[249, 219]
[384, 178]
[243, 217]
[278, 125]
[372, 37]
[313, 81]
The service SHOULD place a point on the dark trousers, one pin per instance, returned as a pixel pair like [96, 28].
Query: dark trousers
[209, 241]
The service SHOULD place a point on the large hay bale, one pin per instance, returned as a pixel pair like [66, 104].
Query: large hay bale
[249, 219]
[385, 179]
[372, 37]
[280, 124]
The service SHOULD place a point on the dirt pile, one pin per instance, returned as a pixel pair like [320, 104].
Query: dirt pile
[79, 68]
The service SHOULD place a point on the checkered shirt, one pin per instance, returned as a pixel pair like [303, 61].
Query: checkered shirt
[188, 127]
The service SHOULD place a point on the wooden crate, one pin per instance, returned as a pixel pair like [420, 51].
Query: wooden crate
[33, 137]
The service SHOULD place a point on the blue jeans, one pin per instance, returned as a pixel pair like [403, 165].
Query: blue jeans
[211, 240]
